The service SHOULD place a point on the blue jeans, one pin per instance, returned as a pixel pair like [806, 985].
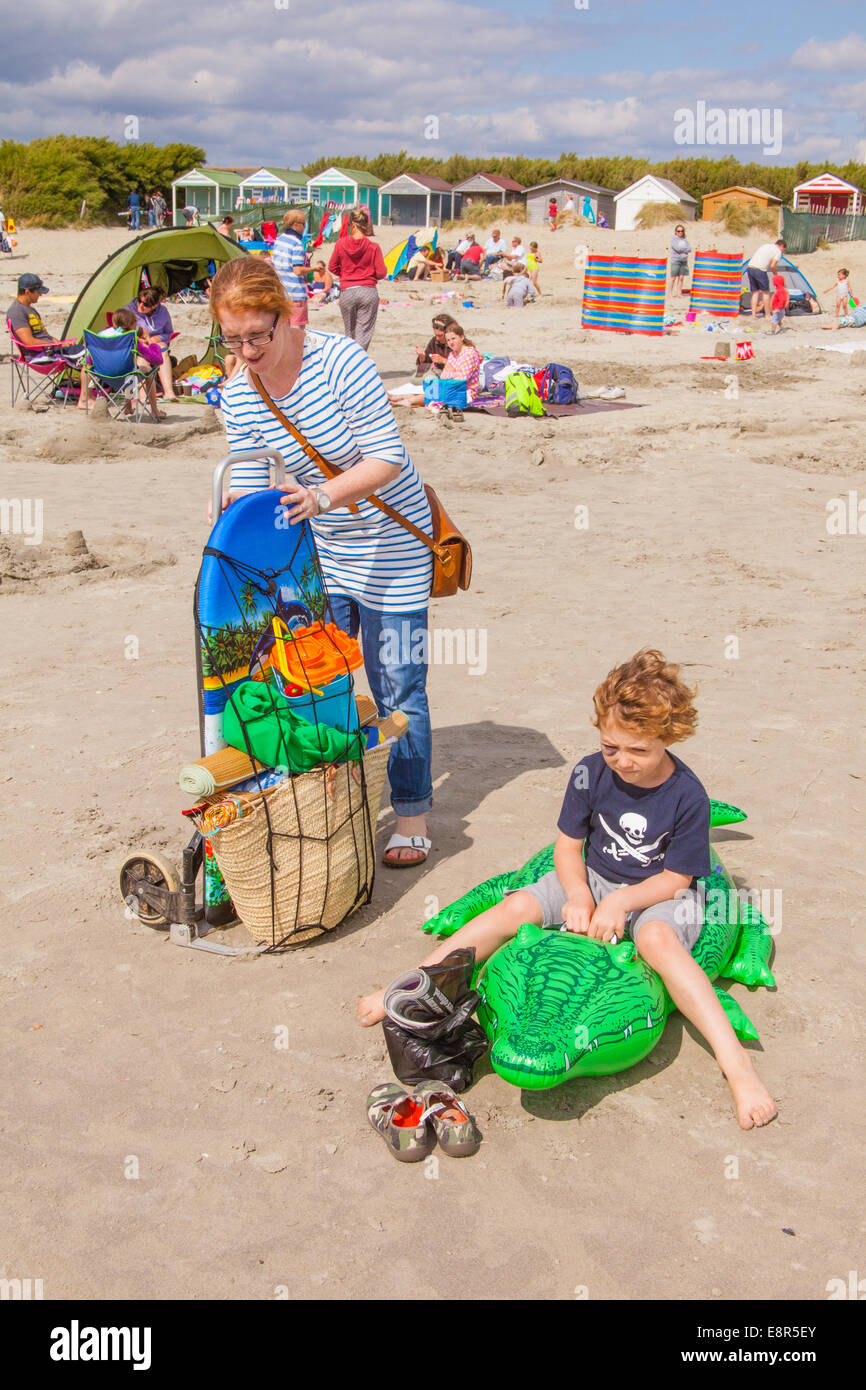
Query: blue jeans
[134, 216]
[398, 682]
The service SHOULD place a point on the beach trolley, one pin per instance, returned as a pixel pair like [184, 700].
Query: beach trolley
[287, 790]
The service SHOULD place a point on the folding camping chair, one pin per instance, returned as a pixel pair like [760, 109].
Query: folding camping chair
[42, 373]
[113, 372]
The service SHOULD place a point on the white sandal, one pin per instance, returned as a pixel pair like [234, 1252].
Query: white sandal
[417, 842]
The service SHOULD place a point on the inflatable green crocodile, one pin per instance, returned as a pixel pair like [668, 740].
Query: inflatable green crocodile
[556, 1005]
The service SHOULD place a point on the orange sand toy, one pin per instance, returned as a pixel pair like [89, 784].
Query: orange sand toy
[315, 655]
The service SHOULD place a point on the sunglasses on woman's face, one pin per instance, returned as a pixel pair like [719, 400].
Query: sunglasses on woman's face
[256, 340]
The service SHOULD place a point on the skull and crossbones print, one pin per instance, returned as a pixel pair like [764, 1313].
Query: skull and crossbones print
[630, 844]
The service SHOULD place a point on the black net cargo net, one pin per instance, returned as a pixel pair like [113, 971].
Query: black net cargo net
[289, 823]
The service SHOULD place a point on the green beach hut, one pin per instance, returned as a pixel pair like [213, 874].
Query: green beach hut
[348, 187]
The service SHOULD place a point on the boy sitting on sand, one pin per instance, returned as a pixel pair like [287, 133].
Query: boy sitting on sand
[644, 817]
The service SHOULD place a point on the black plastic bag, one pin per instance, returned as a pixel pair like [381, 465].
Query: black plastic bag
[428, 1028]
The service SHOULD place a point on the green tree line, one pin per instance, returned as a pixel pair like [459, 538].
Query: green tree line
[44, 182]
[696, 176]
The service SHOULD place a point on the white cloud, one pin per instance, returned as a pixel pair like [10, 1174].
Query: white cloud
[834, 55]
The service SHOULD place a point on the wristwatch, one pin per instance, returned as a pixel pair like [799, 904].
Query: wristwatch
[323, 501]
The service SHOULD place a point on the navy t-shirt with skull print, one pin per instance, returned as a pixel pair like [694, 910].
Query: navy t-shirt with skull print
[633, 832]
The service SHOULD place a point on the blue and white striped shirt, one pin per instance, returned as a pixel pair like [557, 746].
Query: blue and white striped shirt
[339, 404]
[287, 253]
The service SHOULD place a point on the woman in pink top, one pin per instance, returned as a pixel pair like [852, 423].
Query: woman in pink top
[358, 264]
[464, 360]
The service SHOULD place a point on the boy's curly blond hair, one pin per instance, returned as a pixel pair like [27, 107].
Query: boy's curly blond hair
[646, 694]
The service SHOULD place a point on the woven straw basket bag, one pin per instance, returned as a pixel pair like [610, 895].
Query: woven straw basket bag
[304, 858]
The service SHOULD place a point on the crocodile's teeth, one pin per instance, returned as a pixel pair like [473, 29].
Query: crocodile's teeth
[649, 1021]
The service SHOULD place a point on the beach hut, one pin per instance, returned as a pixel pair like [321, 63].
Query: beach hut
[349, 187]
[490, 188]
[418, 199]
[828, 193]
[213, 191]
[274, 186]
[738, 193]
[171, 259]
[539, 195]
[649, 189]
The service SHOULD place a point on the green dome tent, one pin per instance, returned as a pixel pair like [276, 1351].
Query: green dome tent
[171, 258]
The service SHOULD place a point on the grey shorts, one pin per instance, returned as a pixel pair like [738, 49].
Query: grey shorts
[679, 267]
[685, 913]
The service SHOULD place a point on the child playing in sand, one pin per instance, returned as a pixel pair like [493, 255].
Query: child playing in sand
[644, 818]
[843, 293]
[779, 303]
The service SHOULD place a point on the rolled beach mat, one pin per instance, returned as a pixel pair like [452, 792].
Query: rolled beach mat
[217, 771]
[413, 1002]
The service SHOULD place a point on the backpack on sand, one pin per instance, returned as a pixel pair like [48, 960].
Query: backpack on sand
[521, 395]
[489, 367]
[558, 385]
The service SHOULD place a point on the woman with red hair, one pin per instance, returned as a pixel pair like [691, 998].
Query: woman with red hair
[377, 573]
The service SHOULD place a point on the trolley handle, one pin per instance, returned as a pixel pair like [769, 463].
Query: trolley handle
[278, 470]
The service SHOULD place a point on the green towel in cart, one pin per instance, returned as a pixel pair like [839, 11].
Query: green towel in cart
[257, 720]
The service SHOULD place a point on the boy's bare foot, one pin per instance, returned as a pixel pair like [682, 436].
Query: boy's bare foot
[371, 1009]
[755, 1105]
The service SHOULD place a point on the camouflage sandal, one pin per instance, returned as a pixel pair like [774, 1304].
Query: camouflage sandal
[454, 1126]
[401, 1121]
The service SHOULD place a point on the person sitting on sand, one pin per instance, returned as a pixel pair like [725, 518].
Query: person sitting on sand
[843, 292]
[424, 260]
[855, 319]
[494, 250]
[470, 265]
[433, 357]
[321, 283]
[225, 227]
[638, 881]
[464, 360]
[516, 256]
[463, 363]
[456, 255]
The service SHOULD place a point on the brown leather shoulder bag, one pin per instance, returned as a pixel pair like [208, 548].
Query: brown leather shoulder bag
[452, 553]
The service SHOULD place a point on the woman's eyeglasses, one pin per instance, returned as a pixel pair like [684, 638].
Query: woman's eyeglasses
[256, 340]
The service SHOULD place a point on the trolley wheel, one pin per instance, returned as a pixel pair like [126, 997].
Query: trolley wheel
[146, 868]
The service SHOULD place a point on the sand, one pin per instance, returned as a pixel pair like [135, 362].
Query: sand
[157, 1142]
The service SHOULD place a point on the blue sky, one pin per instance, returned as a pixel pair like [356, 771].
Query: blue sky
[283, 81]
